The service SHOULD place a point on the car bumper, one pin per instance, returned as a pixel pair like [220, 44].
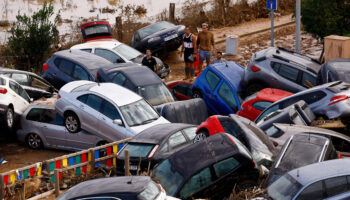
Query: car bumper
[164, 71]
[167, 46]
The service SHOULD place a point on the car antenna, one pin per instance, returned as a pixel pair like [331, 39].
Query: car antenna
[297, 172]
[130, 182]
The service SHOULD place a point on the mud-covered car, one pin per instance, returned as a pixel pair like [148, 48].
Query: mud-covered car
[301, 150]
[158, 37]
[207, 169]
[155, 144]
[334, 70]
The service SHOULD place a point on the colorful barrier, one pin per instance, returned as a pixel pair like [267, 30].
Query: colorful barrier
[83, 162]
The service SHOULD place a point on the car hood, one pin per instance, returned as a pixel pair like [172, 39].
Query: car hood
[138, 129]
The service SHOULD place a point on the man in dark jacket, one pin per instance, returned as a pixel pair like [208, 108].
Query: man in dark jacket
[150, 61]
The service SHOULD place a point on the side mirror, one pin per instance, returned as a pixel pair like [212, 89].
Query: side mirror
[118, 122]
[119, 60]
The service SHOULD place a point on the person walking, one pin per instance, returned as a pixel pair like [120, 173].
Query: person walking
[205, 42]
[150, 61]
[189, 51]
[218, 58]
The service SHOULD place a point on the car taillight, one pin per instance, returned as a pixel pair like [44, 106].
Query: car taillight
[58, 96]
[153, 151]
[254, 68]
[339, 155]
[45, 67]
[3, 90]
[337, 99]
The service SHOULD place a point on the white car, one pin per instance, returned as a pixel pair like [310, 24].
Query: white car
[13, 101]
[117, 52]
[105, 108]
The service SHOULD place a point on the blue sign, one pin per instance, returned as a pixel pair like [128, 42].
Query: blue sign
[272, 4]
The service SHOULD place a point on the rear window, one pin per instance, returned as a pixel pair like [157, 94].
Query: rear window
[151, 191]
[137, 150]
[85, 87]
[338, 87]
[45, 116]
[284, 188]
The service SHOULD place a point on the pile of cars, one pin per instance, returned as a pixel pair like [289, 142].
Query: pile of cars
[232, 129]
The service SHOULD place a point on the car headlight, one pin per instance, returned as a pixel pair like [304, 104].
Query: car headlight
[181, 28]
[154, 39]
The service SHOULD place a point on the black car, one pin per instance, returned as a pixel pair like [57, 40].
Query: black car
[139, 79]
[334, 70]
[159, 37]
[72, 65]
[154, 145]
[207, 169]
[114, 188]
[34, 85]
[301, 150]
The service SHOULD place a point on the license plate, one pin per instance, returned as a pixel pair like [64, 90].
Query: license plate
[170, 37]
[133, 167]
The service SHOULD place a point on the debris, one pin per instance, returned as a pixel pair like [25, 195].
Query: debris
[3, 161]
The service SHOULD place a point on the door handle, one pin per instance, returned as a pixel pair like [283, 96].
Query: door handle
[103, 118]
[44, 126]
[82, 107]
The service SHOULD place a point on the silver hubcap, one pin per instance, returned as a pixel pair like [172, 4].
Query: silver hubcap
[34, 141]
[71, 124]
[199, 137]
[9, 116]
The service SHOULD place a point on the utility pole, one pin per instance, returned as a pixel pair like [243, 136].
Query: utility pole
[297, 28]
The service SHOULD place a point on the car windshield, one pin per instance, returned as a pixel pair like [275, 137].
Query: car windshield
[168, 177]
[138, 113]
[127, 52]
[151, 192]
[156, 94]
[149, 30]
[137, 150]
[283, 188]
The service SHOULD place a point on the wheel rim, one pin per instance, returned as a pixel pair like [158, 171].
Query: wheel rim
[71, 123]
[34, 141]
[199, 137]
[9, 116]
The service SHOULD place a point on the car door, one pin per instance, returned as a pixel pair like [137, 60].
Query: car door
[342, 146]
[109, 55]
[53, 128]
[209, 96]
[227, 102]
[64, 73]
[108, 114]
[20, 98]
[89, 106]
[40, 87]
[183, 91]
[289, 77]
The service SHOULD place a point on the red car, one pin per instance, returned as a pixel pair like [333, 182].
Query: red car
[182, 90]
[256, 103]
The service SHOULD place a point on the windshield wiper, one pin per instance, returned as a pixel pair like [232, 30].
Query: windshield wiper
[149, 120]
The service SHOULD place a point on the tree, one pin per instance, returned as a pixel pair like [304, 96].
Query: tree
[325, 17]
[32, 37]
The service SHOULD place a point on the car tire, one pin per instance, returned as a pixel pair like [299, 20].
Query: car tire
[10, 118]
[34, 141]
[253, 88]
[197, 94]
[71, 122]
[201, 135]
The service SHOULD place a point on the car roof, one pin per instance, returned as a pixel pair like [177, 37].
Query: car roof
[272, 94]
[158, 133]
[111, 185]
[121, 96]
[16, 70]
[139, 75]
[202, 154]
[310, 129]
[311, 173]
[293, 58]
[107, 44]
[154, 24]
[338, 65]
[90, 61]
[231, 72]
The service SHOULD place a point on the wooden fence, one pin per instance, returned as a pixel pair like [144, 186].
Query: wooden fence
[82, 162]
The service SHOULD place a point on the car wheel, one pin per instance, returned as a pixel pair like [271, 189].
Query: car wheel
[253, 88]
[197, 94]
[10, 118]
[34, 141]
[201, 135]
[72, 123]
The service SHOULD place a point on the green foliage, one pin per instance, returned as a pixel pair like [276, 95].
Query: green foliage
[32, 37]
[325, 17]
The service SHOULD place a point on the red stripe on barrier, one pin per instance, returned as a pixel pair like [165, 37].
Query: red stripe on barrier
[58, 164]
[32, 171]
[6, 179]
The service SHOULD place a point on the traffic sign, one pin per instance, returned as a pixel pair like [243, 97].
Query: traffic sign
[272, 4]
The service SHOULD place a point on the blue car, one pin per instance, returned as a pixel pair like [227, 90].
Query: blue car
[159, 37]
[72, 65]
[220, 85]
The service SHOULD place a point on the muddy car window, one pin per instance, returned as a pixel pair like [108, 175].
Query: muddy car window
[66, 66]
[94, 102]
[21, 79]
[198, 181]
[80, 73]
[110, 111]
[35, 114]
[190, 132]
[119, 79]
[314, 191]
[227, 95]
[177, 140]
[39, 84]
[223, 167]
[212, 79]
[335, 186]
